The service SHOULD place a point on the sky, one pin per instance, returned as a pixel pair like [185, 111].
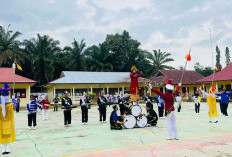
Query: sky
[173, 26]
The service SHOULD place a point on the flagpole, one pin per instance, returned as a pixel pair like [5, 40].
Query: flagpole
[212, 55]
[14, 77]
[184, 68]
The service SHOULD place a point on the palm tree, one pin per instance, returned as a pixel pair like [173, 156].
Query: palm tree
[98, 58]
[42, 51]
[9, 47]
[76, 55]
[159, 61]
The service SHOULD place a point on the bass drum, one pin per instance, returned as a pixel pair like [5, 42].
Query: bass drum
[135, 110]
[141, 121]
[129, 121]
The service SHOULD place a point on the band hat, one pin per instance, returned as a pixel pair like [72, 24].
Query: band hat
[134, 68]
[169, 85]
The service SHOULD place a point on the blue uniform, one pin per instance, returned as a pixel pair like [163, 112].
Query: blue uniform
[225, 97]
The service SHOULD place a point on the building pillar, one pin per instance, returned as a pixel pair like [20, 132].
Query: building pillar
[29, 91]
[73, 96]
[91, 89]
[123, 90]
[54, 91]
[108, 90]
[118, 91]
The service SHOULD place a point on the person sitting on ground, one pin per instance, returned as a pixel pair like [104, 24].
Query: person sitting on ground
[151, 115]
[115, 120]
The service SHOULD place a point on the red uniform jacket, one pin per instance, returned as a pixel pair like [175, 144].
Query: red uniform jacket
[134, 83]
[168, 98]
[43, 102]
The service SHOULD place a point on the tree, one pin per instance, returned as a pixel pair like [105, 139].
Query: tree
[218, 58]
[204, 71]
[10, 47]
[227, 54]
[98, 58]
[160, 60]
[42, 51]
[123, 49]
[76, 55]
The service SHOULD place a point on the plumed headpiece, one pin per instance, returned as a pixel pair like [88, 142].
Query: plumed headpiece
[169, 85]
[134, 68]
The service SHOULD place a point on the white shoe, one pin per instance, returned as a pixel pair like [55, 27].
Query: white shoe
[100, 122]
[34, 128]
[148, 125]
[30, 128]
[69, 125]
[65, 125]
[83, 123]
[104, 122]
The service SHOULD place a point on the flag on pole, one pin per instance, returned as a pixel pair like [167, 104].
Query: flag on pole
[218, 69]
[188, 57]
[19, 67]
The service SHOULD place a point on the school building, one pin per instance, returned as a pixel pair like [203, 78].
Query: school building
[22, 84]
[222, 79]
[77, 82]
[189, 81]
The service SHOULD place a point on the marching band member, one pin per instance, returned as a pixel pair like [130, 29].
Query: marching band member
[134, 85]
[56, 102]
[148, 100]
[196, 99]
[45, 102]
[178, 100]
[169, 108]
[102, 107]
[211, 101]
[84, 108]
[7, 128]
[151, 115]
[67, 103]
[18, 103]
[115, 120]
[32, 109]
[161, 106]
[224, 101]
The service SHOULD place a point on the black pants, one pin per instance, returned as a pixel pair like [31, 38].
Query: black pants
[152, 120]
[102, 111]
[84, 110]
[197, 108]
[67, 117]
[122, 109]
[55, 107]
[179, 108]
[224, 107]
[32, 118]
[161, 111]
[17, 109]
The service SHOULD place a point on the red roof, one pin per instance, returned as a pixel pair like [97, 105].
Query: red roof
[162, 76]
[224, 75]
[7, 76]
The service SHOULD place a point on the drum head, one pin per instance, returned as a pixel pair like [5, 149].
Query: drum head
[141, 121]
[129, 121]
[135, 110]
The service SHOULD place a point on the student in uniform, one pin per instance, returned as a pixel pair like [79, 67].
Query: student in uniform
[161, 106]
[56, 102]
[45, 102]
[67, 103]
[151, 115]
[18, 103]
[148, 99]
[84, 108]
[178, 100]
[101, 101]
[196, 98]
[32, 110]
[224, 101]
[115, 120]
[169, 96]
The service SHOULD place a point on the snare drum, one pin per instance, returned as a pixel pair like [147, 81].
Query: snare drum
[129, 121]
[135, 110]
[141, 121]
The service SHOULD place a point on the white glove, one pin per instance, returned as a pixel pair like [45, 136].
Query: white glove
[150, 86]
[200, 88]
[13, 97]
[179, 84]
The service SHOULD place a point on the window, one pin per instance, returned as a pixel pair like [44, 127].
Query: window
[161, 90]
[183, 89]
[195, 89]
[21, 93]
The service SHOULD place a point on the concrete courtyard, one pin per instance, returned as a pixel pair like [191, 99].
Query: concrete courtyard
[197, 136]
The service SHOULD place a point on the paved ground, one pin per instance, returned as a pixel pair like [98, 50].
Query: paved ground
[52, 139]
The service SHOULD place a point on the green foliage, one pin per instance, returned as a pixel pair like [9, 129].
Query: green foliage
[218, 58]
[61, 97]
[227, 54]
[92, 96]
[204, 71]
